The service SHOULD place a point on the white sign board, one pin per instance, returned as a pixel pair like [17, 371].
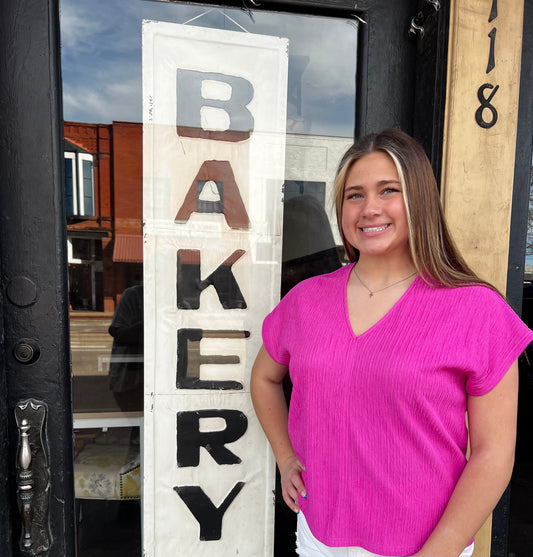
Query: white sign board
[214, 110]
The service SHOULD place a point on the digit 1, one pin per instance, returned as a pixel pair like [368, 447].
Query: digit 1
[493, 10]
[491, 64]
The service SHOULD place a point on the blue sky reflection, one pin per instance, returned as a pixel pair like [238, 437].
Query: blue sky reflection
[102, 71]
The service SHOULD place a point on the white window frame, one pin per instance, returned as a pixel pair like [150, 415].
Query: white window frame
[78, 195]
[81, 203]
[72, 156]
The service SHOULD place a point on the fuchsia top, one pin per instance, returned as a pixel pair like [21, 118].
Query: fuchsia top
[378, 420]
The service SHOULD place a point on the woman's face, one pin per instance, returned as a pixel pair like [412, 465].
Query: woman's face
[374, 219]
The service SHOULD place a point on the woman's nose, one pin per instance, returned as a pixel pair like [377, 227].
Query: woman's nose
[371, 206]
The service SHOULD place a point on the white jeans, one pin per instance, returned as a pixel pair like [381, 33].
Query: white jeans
[308, 546]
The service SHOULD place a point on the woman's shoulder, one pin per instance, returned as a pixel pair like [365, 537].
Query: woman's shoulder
[467, 296]
[471, 289]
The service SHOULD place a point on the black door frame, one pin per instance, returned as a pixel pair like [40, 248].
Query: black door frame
[522, 173]
[33, 266]
[517, 241]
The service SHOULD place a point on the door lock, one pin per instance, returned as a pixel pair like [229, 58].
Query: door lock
[26, 351]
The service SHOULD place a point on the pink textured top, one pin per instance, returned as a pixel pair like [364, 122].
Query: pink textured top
[378, 420]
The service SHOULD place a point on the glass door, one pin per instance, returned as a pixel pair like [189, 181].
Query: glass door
[103, 150]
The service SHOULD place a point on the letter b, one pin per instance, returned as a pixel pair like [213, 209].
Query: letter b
[191, 100]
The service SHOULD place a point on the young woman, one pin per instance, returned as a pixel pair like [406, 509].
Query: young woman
[386, 356]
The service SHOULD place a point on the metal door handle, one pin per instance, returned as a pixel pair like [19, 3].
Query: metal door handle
[32, 477]
[25, 484]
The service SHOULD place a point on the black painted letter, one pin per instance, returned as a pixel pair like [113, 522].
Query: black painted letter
[208, 516]
[190, 439]
[190, 101]
[190, 360]
[189, 284]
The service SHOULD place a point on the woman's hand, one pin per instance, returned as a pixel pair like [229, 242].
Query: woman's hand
[271, 408]
[291, 482]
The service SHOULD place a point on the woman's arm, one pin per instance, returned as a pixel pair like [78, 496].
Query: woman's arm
[271, 409]
[492, 426]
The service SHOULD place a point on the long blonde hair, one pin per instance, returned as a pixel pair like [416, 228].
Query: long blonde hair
[434, 253]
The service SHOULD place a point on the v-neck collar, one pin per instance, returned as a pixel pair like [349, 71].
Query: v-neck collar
[380, 321]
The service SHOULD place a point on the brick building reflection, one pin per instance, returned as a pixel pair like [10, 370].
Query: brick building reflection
[103, 181]
[105, 245]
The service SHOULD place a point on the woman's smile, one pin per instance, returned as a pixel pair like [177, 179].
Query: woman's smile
[375, 229]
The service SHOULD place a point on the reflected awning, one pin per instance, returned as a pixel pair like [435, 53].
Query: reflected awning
[128, 248]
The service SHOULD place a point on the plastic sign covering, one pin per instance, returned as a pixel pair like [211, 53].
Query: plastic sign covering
[214, 112]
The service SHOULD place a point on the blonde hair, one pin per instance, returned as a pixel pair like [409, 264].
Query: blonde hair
[434, 253]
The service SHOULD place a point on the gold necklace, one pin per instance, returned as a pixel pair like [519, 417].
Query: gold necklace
[372, 292]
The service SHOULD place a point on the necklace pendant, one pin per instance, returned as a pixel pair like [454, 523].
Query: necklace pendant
[371, 294]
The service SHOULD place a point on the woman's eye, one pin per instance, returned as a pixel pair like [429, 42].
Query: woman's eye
[388, 191]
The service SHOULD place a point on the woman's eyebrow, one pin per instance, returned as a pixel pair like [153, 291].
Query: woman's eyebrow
[385, 182]
[353, 187]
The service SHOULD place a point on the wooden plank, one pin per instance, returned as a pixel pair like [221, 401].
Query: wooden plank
[478, 162]
[479, 140]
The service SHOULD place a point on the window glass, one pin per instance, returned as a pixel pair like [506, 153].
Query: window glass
[87, 167]
[102, 102]
[69, 186]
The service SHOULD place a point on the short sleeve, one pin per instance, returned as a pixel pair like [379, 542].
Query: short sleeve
[282, 326]
[500, 339]
[276, 332]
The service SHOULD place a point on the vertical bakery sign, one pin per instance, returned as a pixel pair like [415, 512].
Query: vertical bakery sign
[214, 111]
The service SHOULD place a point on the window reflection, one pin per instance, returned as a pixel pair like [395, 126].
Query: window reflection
[108, 489]
[103, 155]
[102, 60]
[126, 364]
[79, 182]
[102, 68]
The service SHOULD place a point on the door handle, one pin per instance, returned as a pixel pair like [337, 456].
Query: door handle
[33, 477]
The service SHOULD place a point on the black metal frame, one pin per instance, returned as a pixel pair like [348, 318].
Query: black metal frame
[333, 8]
[518, 232]
[522, 174]
[34, 295]
[431, 75]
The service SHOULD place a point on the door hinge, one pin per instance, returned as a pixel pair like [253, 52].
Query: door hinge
[417, 23]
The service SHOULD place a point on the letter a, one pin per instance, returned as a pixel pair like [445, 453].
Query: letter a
[229, 200]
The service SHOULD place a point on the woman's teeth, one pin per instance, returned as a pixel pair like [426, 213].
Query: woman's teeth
[374, 228]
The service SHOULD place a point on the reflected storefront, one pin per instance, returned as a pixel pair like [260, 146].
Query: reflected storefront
[103, 102]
